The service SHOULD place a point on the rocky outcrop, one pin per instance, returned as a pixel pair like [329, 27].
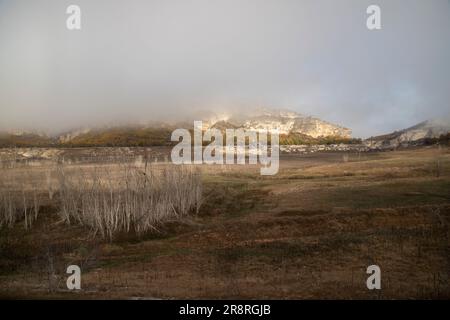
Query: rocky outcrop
[286, 122]
[317, 128]
[68, 136]
[414, 135]
[306, 149]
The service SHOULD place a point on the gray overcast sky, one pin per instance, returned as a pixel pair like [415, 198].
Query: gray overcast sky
[143, 60]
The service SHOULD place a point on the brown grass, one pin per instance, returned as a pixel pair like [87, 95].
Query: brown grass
[309, 232]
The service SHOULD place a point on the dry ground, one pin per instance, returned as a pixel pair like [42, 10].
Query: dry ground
[308, 232]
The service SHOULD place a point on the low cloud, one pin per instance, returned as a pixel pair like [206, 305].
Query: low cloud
[157, 60]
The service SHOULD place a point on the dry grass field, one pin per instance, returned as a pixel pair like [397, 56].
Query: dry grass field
[309, 232]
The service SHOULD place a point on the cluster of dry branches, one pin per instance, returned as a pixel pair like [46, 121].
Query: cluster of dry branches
[15, 207]
[107, 199]
[132, 200]
[19, 198]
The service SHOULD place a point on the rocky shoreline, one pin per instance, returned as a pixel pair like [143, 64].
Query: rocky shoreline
[159, 153]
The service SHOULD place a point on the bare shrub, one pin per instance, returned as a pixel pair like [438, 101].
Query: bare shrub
[8, 209]
[124, 198]
[106, 198]
[17, 202]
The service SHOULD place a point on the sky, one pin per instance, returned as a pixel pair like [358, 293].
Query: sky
[135, 61]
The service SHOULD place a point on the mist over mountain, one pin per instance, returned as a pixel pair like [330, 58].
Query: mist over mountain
[293, 127]
[288, 123]
[163, 60]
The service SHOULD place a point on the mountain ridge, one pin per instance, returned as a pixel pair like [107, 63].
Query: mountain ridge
[287, 122]
[421, 133]
[294, 129]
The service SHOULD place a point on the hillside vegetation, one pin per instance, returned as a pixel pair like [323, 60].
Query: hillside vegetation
[122, 137]
[26, 140]
[140, 137]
